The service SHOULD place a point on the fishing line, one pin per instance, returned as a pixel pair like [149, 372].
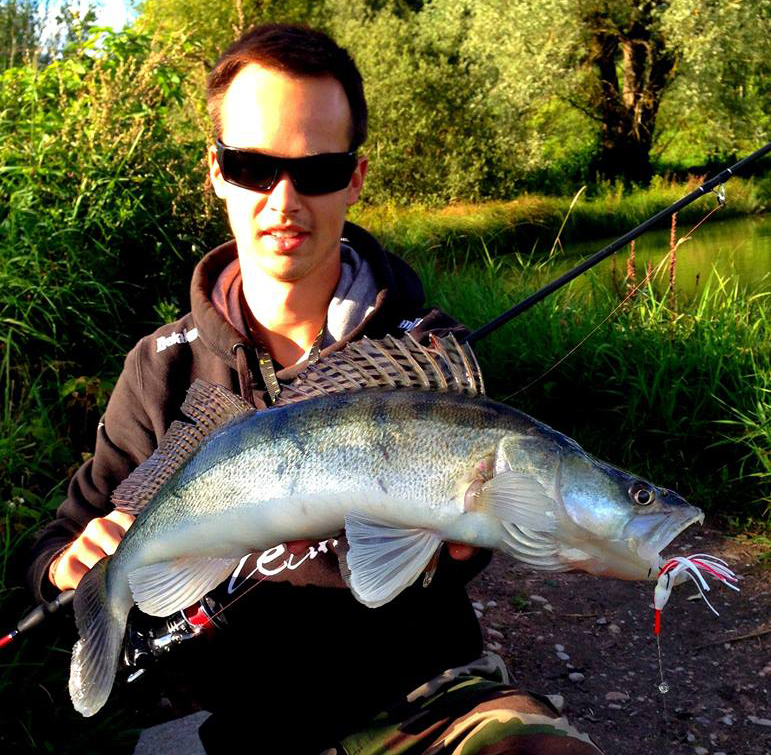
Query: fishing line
[652, 273]
[663, 687]
[255, 583]
[210, 619]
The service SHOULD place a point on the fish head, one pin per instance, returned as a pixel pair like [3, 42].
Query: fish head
[617, 523]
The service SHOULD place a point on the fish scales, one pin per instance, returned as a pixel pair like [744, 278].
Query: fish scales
[338, 445]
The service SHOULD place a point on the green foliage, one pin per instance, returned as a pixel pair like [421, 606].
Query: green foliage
[19, 31]
[715, 103]
[485, 99]
[211, 27]
[429, 123]
[99, 216]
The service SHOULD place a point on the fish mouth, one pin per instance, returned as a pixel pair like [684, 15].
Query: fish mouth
[672, 532]
[661, 537]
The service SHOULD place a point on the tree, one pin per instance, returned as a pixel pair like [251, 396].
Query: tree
[633, 63]
[74, 26]
[481, 98]
[211, 25]
[19, 31]
[619, 62]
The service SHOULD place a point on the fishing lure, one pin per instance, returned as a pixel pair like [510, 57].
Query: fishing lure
[678, 569]
[675, 572]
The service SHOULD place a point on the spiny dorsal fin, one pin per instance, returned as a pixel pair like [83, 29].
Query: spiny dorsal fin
[390, 364]
[210, 407]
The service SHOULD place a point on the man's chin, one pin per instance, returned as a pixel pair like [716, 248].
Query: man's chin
[284, 266]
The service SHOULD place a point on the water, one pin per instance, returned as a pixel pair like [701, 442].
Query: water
[738, 248]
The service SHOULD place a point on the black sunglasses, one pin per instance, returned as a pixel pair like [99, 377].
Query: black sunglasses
[315, 174]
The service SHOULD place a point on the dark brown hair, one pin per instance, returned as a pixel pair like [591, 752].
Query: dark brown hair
[295, 50]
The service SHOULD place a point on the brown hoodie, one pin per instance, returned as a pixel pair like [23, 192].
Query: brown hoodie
[299, 645]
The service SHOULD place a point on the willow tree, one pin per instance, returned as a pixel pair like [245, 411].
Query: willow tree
[631, 61]
[617, 62]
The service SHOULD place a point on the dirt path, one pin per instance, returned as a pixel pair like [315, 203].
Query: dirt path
[590, 640]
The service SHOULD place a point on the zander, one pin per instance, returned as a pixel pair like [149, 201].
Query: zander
[391, 441]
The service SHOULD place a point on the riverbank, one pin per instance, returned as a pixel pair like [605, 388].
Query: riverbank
[531, 223]
[672, 386]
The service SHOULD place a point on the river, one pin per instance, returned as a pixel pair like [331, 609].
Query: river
[738, 248]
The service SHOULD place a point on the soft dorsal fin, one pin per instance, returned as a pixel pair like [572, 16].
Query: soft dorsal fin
[390, 363]
[210, 407]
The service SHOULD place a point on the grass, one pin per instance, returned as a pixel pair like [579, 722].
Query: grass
[530, 223]
[675, 389]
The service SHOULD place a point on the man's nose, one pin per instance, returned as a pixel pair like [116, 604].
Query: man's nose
[283, 196]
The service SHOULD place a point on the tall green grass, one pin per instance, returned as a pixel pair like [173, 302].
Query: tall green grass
[100, 217]
[673, 388]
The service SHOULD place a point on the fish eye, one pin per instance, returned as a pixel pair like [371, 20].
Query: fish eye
[642, 493]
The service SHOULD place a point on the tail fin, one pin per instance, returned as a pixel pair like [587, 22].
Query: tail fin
[101, 625]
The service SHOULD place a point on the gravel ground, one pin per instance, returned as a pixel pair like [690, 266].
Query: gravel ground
[590, 640]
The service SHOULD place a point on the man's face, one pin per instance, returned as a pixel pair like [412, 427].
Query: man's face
[284, 234]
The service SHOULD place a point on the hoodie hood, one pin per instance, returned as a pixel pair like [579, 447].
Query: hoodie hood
[398, 290]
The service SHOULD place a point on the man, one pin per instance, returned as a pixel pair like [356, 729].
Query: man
[297, 283]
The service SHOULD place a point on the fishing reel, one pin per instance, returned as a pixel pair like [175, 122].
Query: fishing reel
[148, 640]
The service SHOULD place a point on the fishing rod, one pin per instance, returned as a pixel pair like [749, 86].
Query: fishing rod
[38, 615]
[620, 242]
[187, 624]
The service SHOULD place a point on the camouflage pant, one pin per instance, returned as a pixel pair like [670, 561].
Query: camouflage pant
[469, 710]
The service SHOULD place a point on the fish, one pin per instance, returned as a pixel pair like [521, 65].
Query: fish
[393, 442]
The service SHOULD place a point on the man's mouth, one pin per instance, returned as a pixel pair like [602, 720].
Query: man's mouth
[284, 239]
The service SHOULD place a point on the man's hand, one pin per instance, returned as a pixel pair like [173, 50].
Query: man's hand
[99, 539]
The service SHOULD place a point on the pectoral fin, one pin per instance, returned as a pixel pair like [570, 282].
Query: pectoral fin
[165, 587]
[536, 549]
[519, 499]
[384, 559]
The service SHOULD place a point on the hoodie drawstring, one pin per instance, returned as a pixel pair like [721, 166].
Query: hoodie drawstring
[267, 370]
[244, 373]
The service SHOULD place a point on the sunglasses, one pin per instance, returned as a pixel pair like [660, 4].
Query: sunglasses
[312, 175]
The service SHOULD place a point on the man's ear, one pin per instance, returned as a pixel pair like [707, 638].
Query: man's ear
[215, 174]
[357, 181]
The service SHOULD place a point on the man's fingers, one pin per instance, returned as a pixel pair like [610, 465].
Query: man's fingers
[72, 565]
[100, 538]
[121, 518]
[460, 551]
[104, 534]
[68, 574]
[87, 553]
